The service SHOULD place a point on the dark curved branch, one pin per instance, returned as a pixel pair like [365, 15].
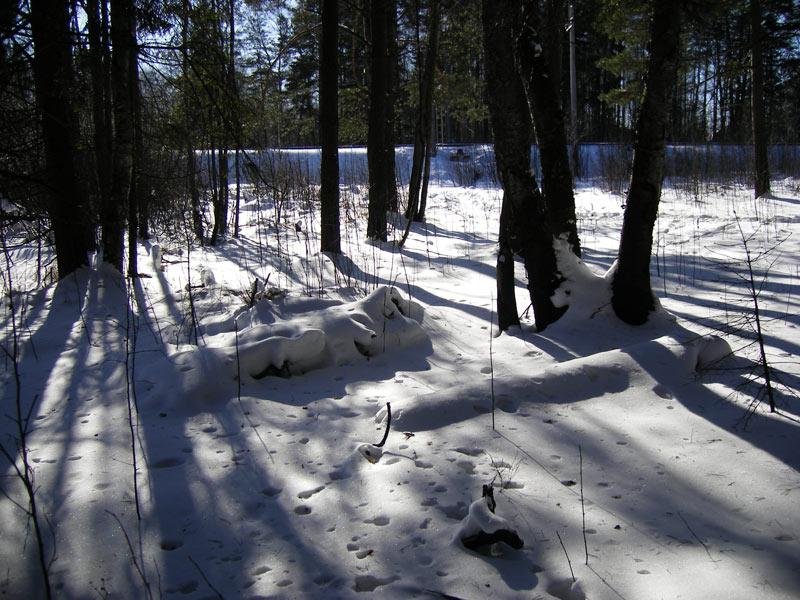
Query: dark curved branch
[388, 425]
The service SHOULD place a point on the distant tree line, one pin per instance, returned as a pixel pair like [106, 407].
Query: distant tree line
[126, 115]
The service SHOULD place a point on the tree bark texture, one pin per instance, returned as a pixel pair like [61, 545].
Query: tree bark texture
[113, 217]
[524, 227]
[541, 87]
[99, 72]
[757, 101]
[329, 128]
[391, 68]
[136, 192]
[377, 156]
[53, 79]
[422, 130]
[191, 164]
[632, 297]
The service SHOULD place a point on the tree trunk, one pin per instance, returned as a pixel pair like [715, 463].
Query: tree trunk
[524, 228]
[329, 128]
[191, 164]
[548, 118]
[757, 101]
[377, 157]
[52, 73]
[632, 297]
[98, 60]
[135, 198]
[391, 69]
[123, 40]
[425, 110]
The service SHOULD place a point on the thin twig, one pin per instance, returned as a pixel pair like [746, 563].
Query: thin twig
[583, 507]
[569, 562]
[203, 575]
[695, 536]
[491, 358]
[136, 565]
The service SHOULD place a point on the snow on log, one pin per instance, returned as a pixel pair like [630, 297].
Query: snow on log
[331, 336]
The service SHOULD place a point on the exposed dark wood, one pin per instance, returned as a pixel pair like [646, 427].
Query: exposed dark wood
[757, 101]
[53, 79]
[632, 296]
[541, 87]
[376, 136]
[329, 128]
[474, 542]
[524, 227]
[423, 128]
[114, 214]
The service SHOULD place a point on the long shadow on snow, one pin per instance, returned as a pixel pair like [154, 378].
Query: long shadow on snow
[770, 435]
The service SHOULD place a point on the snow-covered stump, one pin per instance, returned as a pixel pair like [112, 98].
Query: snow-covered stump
[482, 527]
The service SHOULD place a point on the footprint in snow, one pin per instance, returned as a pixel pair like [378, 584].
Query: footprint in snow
[662, 391]
[469, 451]
[166, 463]
[170, 544]
[368, 583]
[271, 491]
[379, 521]
[466, 466]
[305, 495]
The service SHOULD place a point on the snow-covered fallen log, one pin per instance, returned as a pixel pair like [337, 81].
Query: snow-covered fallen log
[333, 336]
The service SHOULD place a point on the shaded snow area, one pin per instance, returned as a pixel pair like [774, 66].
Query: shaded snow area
[264, 374]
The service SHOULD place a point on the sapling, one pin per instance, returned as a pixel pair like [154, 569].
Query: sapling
[754, 297]
[754, 285]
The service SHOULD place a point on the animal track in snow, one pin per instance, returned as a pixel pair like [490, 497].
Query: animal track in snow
[469, 451]
[379, 521]
[305, 495]
[466, 466]
[166, 463]
[302, 510]
[455, 511]
[170, 545]
[368, 583]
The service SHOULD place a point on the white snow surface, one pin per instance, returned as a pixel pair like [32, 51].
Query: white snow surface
[257, 470]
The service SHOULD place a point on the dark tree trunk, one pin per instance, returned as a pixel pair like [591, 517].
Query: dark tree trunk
[376, 137]
[98, 60]
[191, 164]
[329, 127]
[135, 200]
[632, 297]
[425, 110]
[757, 101]
[548, 118]
[391, 68]
[507, 313]
[123, 39]
[52, 73]
[524, 228]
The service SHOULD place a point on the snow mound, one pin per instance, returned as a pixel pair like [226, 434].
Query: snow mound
[605, 373]
[317, 339]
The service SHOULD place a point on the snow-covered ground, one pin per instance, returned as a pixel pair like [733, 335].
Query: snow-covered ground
[633, 449]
